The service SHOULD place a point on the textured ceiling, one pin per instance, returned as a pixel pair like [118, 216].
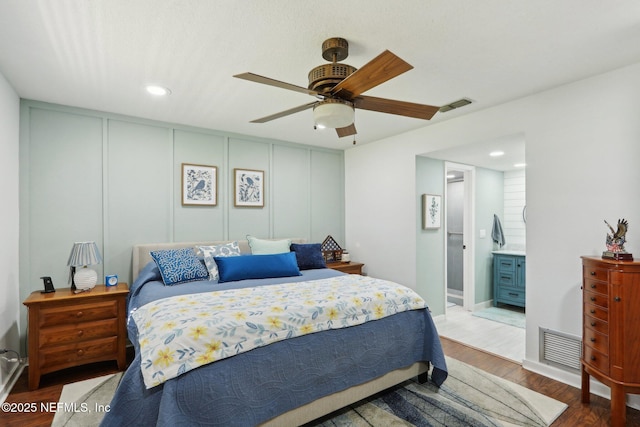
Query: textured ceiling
[100, 55]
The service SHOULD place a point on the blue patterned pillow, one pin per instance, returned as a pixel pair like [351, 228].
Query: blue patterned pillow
[228, 249]
[309, 255]
[179, 266]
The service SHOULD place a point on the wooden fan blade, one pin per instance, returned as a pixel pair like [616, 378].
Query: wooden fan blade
[284, 113]
[377, 71]
[346, 131]
[272, 82]
[401, 108]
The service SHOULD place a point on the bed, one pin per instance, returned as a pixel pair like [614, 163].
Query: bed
[287, 381]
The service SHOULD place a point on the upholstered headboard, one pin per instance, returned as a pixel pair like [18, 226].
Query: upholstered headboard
[142, 252]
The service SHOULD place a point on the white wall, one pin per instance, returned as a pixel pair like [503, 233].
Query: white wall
[583, 146]
[9, 159]
[514, 227]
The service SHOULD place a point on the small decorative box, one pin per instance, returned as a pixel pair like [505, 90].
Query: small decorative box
[111, 280]
[331, 250]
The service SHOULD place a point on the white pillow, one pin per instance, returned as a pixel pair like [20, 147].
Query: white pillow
[267, 247]
[228, 249]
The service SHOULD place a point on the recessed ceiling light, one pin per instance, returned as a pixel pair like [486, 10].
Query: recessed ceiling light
[158, 90]
[496, 153]
[519, 165]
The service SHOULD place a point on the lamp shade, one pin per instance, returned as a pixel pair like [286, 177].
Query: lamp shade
[83, 254]
[333, 113]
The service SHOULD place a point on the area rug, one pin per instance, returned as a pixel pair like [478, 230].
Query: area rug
[502, 315]
[469, 397]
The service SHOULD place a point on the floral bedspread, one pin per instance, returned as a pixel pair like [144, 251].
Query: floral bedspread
[178, 334]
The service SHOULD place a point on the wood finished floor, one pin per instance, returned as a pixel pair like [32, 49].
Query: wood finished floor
[577, 414]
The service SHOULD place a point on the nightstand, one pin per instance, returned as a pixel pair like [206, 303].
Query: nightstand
[347, 267]
[68, 329]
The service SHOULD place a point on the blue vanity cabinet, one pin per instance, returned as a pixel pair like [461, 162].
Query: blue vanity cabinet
[509, 279]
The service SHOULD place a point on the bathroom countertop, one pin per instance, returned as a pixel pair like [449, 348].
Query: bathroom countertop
[509, 252]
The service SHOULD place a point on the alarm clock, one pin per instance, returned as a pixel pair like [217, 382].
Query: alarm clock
[111, 280]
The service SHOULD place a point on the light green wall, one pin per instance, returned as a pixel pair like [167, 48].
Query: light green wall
[489, 201]
[429, 243]
[87, 175]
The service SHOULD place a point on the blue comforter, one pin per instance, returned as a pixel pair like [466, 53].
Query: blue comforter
[253, 387]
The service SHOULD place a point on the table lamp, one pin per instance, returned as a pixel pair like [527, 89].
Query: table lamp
[82, 255]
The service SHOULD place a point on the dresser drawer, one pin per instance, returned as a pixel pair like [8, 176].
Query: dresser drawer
[506, 278]
[595, 273]
[76, 333]
[67, 314]
[597, 312]
[74, 354]
[592, 285]
[596, 299]
[596, 359]
[597, 341]
[596, 324]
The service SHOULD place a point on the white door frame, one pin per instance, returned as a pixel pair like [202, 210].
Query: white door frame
[468, 231]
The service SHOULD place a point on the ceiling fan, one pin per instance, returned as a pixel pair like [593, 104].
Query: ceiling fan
[339, 89]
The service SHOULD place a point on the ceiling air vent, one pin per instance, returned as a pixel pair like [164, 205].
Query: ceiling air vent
[454, 105]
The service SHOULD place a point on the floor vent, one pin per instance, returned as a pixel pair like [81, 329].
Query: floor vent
[560, 349]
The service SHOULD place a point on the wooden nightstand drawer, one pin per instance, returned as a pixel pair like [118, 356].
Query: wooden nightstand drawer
[77, 333]
[65, 314]
[346, 267]
[595, 273]
[64, 356]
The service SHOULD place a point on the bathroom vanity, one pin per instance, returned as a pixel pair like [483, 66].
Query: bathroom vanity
[509, 285]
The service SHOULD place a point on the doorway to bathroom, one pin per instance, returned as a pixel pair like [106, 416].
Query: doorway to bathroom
[458, 238]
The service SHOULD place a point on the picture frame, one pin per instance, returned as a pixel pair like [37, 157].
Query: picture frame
[248, 188]
[199, 185]
[431, 211]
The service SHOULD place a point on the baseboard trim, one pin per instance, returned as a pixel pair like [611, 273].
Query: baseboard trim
[13, 378]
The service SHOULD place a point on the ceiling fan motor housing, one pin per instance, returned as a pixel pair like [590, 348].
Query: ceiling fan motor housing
[324, 77]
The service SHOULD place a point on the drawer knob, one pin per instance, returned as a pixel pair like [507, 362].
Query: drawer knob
[593, 323]
[80, 352]
[593, 340]
[593, 286]
[593, 298]
[593, 273]
[80, 333]
[593, 358]
[617, 299]
[79, 314]
[593, 311]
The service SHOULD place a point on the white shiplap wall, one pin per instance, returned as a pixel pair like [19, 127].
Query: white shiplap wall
[513, 225]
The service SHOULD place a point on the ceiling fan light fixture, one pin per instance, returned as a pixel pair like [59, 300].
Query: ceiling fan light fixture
[333, 113]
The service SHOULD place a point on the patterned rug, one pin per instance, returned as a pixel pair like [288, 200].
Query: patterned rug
[513, 317]
[469, 397]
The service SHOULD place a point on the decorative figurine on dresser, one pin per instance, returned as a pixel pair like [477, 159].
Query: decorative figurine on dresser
[610, 319]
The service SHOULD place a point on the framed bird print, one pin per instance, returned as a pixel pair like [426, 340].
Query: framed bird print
[199, 185]
[249, 188]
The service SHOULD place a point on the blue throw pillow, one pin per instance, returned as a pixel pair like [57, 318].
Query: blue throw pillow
[179, 266]
[257, 266]
[309, 255]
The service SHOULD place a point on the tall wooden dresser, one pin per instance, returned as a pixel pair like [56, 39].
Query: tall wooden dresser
[611, 330]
